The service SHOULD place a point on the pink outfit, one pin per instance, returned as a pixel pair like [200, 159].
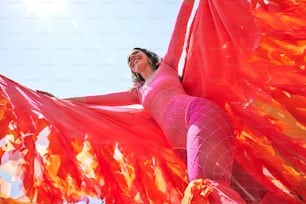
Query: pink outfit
[189, 123]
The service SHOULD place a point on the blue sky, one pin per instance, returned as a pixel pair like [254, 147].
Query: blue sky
[79, 47]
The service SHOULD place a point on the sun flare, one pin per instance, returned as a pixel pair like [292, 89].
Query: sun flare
[44, 7]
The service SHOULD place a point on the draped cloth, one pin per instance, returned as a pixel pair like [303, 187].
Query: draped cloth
[250, 59]
[247, 56]
[66, 151]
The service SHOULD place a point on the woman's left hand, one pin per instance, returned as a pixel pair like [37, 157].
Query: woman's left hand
[189, 1]
[45, 93]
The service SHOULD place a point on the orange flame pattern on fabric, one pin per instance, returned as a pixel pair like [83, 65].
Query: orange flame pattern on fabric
[249, 58]
[62, 151]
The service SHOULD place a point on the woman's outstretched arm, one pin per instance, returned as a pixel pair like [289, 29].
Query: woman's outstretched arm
[113, 99]
[177, 40]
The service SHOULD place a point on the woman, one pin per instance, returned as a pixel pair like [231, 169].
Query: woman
[196, 128]
[193, 124]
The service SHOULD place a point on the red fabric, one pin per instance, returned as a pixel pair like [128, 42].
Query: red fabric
[249, 58]
[66, 151]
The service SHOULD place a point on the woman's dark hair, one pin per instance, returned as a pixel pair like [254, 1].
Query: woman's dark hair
[153, 60]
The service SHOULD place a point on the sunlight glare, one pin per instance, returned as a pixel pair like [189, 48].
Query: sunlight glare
[44, 7]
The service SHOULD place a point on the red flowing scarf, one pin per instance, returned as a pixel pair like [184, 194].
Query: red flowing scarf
[247, 56]
[250, 59]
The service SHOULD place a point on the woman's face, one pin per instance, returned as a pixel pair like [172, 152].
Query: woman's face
[138, 61]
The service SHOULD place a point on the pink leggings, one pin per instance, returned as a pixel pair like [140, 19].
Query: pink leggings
[209, 149]
[209, 141]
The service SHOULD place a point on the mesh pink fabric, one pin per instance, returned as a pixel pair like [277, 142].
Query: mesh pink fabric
[209, 141]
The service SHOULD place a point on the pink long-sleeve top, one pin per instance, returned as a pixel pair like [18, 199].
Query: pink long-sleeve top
[162, 95]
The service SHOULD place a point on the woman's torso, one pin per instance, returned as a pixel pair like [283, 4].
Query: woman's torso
[163, 97]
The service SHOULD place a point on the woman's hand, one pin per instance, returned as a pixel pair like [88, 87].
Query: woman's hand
[45, 93]
[189, 1]
[80, 99]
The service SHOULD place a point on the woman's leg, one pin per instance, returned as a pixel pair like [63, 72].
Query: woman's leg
[209, 142]
[209, 151]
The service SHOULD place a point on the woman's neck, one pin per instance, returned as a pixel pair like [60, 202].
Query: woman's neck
[147, 72]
